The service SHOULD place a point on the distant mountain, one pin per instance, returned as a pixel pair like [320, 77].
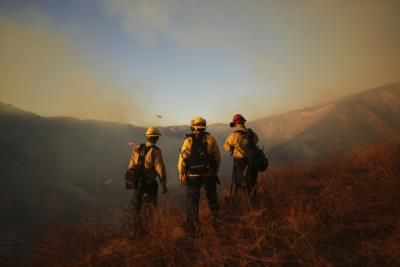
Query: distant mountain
[346, 124]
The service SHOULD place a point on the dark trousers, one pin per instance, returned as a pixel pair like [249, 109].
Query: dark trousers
[193, 187]
[244, 178]
[145, 195]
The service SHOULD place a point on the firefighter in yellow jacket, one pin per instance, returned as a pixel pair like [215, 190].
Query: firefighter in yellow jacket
[198, 166]
[244, 178]
[146, 165]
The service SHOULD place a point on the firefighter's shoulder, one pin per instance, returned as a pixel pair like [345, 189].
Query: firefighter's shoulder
[187, 140]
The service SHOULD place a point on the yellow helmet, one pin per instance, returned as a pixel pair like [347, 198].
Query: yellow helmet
[198, 123]
[153, 131]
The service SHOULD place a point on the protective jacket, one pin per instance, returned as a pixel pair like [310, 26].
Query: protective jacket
[153, 163]
[237, 143]
[212, 150]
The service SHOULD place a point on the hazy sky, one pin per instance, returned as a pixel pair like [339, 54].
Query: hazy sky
[127, 60]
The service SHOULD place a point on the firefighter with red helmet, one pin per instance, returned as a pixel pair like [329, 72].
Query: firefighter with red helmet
[238, 143]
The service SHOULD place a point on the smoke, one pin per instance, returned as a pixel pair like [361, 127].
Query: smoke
[293, 55]
[300, 54]
[44, 72]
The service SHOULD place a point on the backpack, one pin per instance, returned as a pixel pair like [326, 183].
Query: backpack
[257, 159]
[198, 160]
[136, 175]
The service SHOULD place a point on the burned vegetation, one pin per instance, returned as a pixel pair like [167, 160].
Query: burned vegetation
[342, 211]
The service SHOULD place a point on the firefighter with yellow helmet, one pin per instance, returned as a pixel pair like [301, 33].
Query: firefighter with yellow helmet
[145, 165]
[198, 166]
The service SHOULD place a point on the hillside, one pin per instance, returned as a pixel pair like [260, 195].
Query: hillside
[337, 212]
[343, 125]
[53, 171]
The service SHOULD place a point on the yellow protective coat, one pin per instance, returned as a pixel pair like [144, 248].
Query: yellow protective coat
[212, 149]
[153, 162]
[237, 144]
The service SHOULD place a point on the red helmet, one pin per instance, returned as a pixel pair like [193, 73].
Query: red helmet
[238, 118]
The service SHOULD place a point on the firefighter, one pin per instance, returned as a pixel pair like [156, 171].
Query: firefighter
[244, 178]
[198, 166]
[145, 166]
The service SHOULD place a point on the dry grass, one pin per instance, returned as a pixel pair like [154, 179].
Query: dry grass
[344, 211]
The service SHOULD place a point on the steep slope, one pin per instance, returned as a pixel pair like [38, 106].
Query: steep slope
[346, 124]
[283, 127]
